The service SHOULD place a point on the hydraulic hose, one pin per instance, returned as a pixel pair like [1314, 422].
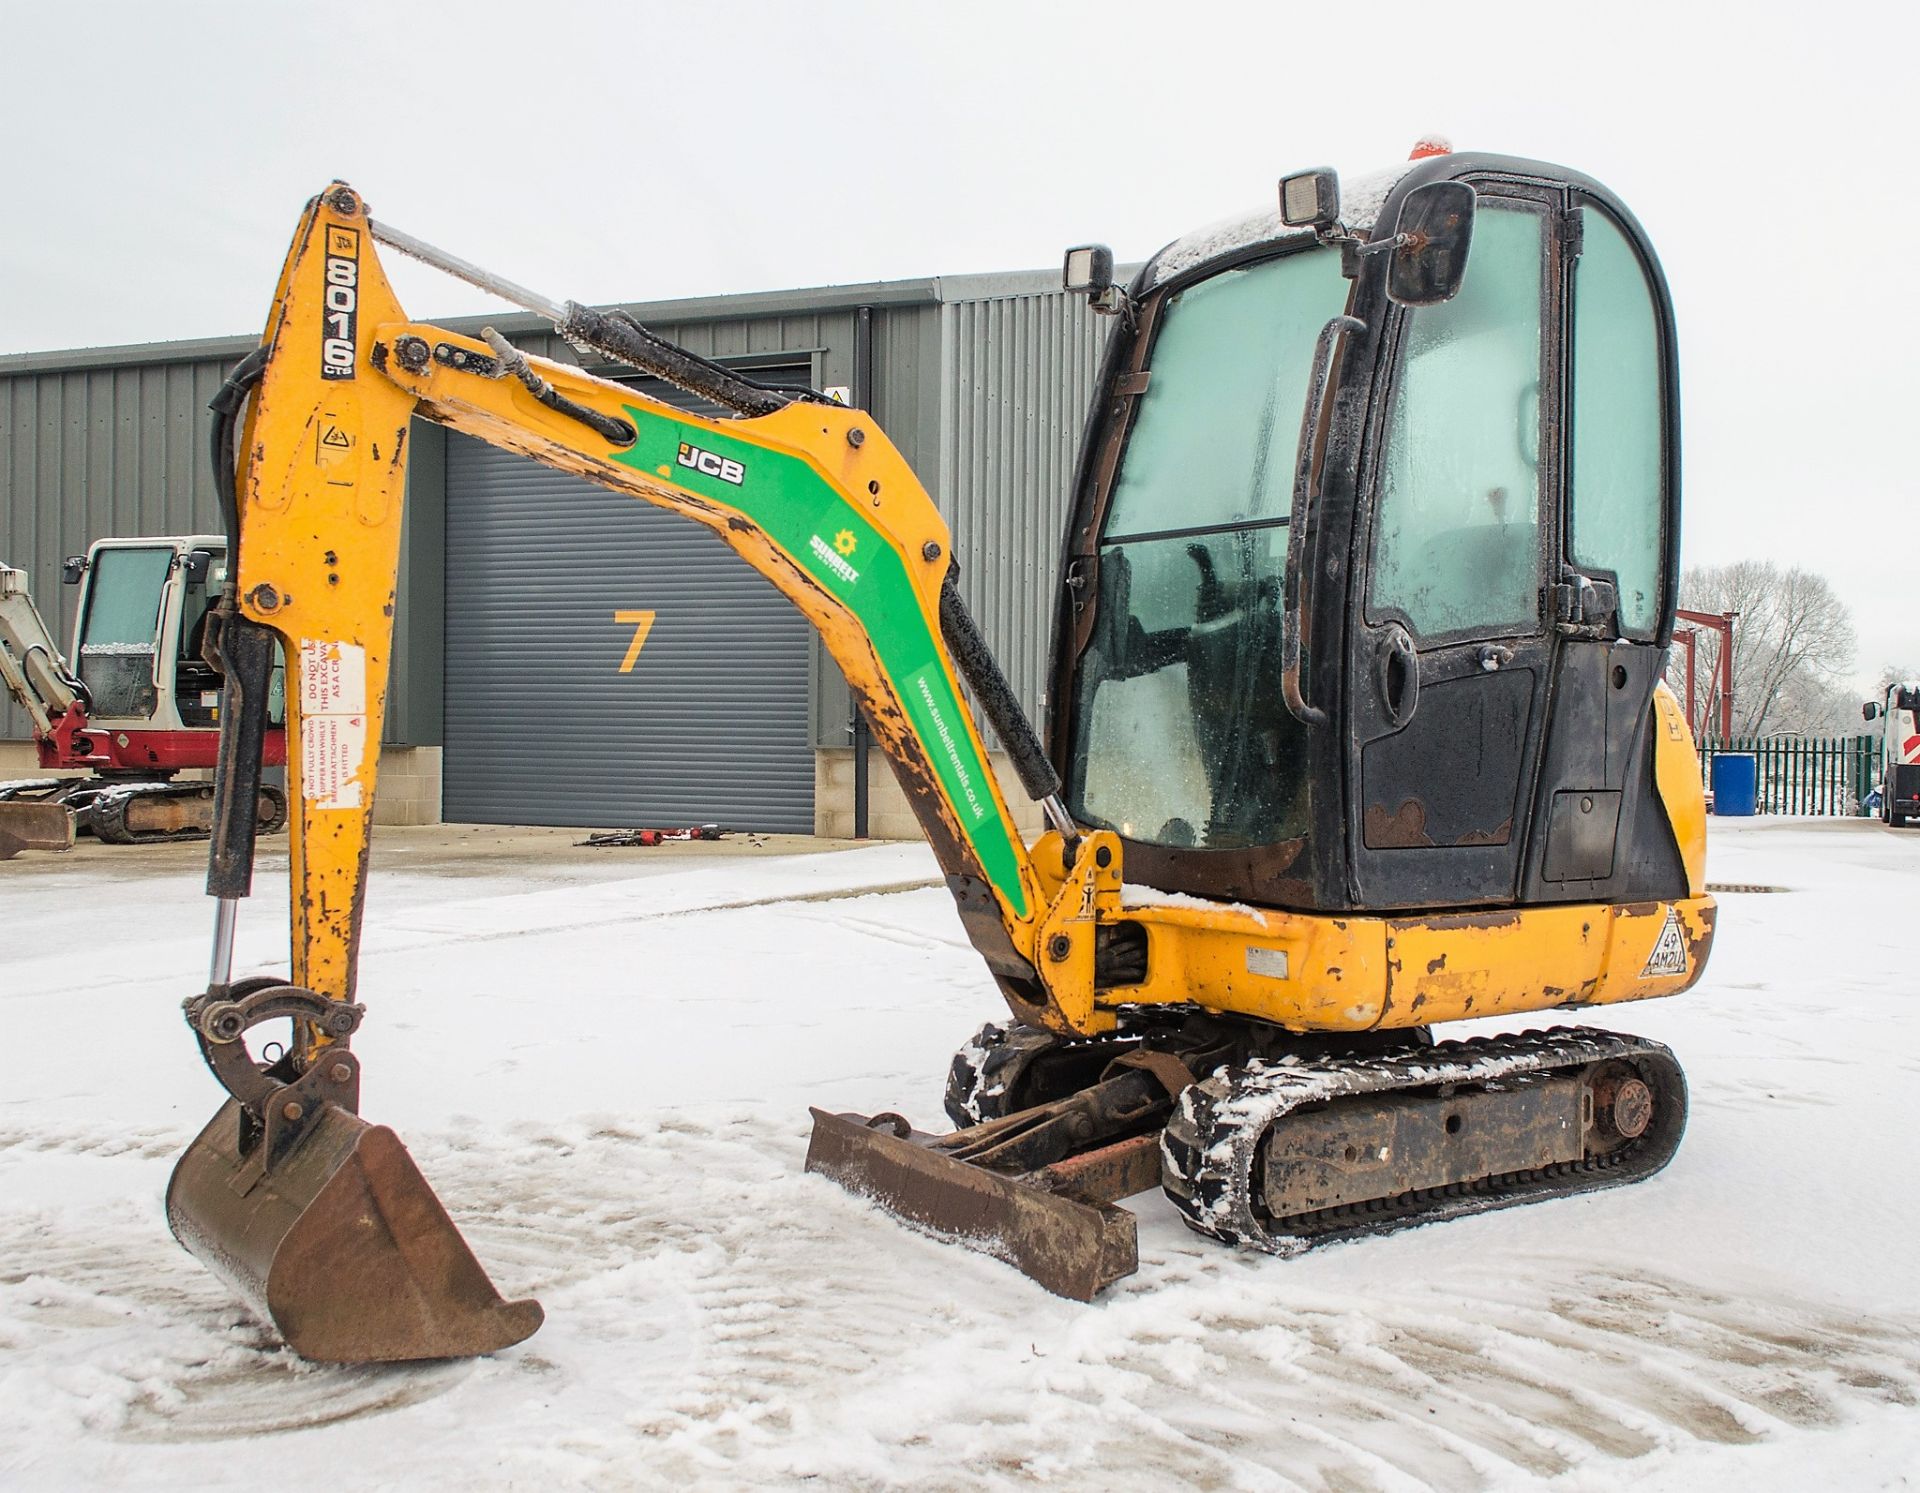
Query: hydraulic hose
[514, 362]
[618, 336]
[981, 671]
[226, 406]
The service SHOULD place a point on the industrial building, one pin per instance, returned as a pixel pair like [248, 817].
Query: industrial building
[516, 699]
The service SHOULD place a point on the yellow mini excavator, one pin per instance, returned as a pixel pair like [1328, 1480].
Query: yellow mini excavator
[1358, 730]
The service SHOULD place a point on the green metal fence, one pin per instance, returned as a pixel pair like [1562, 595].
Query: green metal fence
[1805, 774]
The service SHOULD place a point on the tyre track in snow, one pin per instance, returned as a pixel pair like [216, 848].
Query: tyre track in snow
[144, 1143]
[813, 1318]
[716, 1318]
[131, 1338]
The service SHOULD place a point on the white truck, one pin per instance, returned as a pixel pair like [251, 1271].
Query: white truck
[1900, 756]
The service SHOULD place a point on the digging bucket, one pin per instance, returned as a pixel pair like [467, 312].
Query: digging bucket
[321, 1222]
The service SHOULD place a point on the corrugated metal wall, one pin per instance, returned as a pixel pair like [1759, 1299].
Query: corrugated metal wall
[982, 381]
[1018, 360]
[94, 450]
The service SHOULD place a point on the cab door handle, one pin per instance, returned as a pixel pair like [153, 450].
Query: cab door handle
[1397, 673]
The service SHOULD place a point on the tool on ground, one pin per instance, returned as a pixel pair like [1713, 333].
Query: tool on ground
[623, 837]
[1357, 731]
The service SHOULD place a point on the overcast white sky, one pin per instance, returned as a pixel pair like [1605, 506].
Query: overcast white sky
[159, 154]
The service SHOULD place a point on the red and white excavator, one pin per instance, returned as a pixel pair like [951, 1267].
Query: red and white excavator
[135, 706]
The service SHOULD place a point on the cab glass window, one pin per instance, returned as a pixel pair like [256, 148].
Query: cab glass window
[1618, 440]
[1457, 530]
[120, 631]
[1182, 738]
[1180, 734]
[1214, 437]
[123, 597]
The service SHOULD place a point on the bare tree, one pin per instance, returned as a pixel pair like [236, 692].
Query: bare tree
[1792, 643]
[1892, 674]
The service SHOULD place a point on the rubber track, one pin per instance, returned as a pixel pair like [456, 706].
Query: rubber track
[107, 812]
[1211, 1146]
[987, 1072]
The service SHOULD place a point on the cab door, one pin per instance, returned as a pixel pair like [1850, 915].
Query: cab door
[1600, 831]
[117, 648]
[1450, 640]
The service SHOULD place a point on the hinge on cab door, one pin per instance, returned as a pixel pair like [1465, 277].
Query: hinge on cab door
[1583, 606]
[1573, 231]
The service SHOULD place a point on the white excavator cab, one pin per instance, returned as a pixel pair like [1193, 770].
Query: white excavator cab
[141, 604]
[132, 704]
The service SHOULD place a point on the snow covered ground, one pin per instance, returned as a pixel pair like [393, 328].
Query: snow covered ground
[608, 1082]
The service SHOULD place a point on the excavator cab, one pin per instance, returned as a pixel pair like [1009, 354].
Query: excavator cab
[1480, 505]
[138, 704]
[140, 623]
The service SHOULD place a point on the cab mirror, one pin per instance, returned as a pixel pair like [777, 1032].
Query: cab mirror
[1869, 711]
[197, 564]
[1088, 270]
[1430, 244]
[72, 568]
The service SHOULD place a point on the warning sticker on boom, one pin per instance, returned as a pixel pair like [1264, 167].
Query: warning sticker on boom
[333, 722]
[1669, 956]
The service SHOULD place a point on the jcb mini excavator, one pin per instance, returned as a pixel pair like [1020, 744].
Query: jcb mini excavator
[1359, 731]
[136, 706]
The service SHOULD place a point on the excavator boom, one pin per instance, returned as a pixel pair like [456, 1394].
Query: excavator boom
[812, 494]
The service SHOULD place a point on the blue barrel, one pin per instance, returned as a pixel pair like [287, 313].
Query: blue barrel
[1736, 783]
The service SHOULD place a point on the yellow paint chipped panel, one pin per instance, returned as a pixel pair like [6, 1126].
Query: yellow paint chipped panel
[1676, 775]
[1221, 958]
[1354, 974]
[326, 438]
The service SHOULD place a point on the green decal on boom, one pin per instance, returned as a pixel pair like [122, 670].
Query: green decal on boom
[832, 542]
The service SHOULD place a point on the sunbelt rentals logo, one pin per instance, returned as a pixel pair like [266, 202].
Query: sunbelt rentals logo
[836, 556]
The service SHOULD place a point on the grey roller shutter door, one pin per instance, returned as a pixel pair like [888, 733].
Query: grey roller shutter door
[542, 727]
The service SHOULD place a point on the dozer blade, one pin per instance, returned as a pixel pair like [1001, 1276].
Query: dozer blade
[34, 826]
[1073, 1248]
[340, 1243]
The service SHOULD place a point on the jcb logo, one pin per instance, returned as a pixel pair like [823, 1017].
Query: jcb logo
[343, 302]
[710, 465]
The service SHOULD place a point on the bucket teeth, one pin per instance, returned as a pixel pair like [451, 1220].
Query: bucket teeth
[1071, 1247]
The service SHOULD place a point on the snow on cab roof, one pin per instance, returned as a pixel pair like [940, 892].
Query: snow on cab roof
[1360, 204]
